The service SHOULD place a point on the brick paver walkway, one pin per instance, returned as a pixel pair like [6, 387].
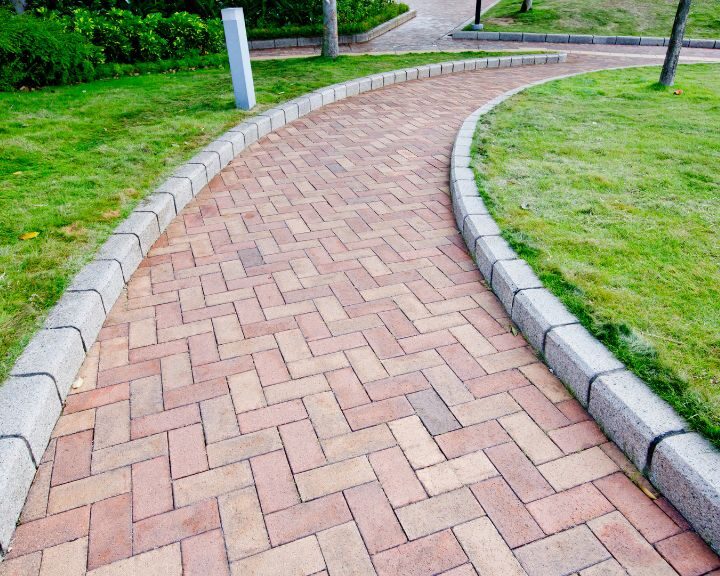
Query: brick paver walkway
[307, 375]
[430, 26]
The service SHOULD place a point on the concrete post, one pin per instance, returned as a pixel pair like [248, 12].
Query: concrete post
[239, 56]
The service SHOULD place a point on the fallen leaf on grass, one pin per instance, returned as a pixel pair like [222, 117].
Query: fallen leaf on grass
[29, 235]
[18, 173]
[678, 92]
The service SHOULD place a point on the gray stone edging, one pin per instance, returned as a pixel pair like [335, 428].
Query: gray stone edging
[683, 465]
[31, 398]
[581, 39]
[361, 38]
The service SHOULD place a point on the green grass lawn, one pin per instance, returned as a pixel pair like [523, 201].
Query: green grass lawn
[76, 159]
[612, 18]
[608, 185]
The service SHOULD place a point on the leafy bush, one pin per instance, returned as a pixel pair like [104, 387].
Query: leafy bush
[63, 41]
[258, 13]
[125, 37]
[37, 53]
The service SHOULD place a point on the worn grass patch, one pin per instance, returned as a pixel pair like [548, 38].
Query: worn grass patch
[608, 185]
[76, 159]
[610, 18]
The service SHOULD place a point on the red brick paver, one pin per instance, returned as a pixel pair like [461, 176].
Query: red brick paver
[307, 374]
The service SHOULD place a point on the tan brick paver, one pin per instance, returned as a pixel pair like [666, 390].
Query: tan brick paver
[307, 374]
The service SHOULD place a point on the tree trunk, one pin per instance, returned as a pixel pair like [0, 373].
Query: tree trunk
[667, 77]
[19, 6]
[526, 6]
[330, 47]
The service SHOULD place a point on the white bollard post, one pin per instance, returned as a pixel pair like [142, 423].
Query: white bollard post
[239, 56]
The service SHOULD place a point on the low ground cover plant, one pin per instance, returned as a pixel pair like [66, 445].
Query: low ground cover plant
[607, 184]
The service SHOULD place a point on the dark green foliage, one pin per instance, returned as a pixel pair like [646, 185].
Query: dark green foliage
[66, 41]
[258, 13]
[36, 53]
[125, 37]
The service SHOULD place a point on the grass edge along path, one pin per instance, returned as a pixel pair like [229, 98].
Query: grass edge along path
[619, 18]
[77, 159]
[558, 168]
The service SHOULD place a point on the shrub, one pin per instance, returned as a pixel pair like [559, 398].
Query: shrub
[125, 37]
[62, 41]
[258, 13]
[35, 52]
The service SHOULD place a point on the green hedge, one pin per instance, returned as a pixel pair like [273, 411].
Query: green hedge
[49, 47]
[37, 53]
[258, 13]
[125, 37]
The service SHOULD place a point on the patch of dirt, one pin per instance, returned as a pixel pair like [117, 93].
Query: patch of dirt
[501, 21]
[74, 230]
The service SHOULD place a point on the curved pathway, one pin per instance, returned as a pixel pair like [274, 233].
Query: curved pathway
[307, 374]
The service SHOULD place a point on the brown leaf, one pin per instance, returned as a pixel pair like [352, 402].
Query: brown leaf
[678, 92]
[648, 493]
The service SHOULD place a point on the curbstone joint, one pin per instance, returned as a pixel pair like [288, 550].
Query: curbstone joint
[536, 312]
[632, 415]
[143, 226]
[30, 408]
[686, 468]
[123, 249]
[510, 277]
[83, 311]
[103, 277]
[57, 354]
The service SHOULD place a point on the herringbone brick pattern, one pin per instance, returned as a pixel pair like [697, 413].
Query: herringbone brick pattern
[307, 375]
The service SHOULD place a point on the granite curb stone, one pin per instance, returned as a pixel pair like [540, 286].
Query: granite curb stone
[466, 206]
[54, 356]
[143, 226]
[360, 38]
[195, 173]
[536, 312]
[179, 188]
[478, 225]
[488, 251]
[30, 408]
[681, 464]
[686, 468]
[123, 249]
[101, 276]
[56, 353]
[510, 277]
[83, 311]
[162, 205]
[577, 358]
[632, 415]
[708, 43]
[16, 476]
